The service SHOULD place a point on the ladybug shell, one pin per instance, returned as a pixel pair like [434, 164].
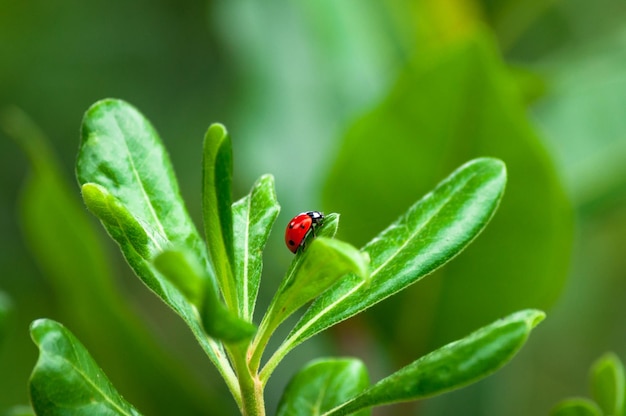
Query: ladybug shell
[299, 228]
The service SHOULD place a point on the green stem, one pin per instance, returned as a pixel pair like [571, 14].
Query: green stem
[260, 342]
[252, 402]
[270, 321]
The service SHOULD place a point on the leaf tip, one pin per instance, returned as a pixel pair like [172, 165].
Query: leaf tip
[608, 358]
[106, 103]
[217, 131]
[95, 198]
[39, 327]
[535, 317]
[101, 107]
[491, 163]
[220, 323]
[530, 317]
[330, 226]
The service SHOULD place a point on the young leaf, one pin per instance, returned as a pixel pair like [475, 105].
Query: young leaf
[321, 265]
[607, 384]
[430, 233]
[452, 366]
[128, 182]
[253, 217]
[217, 172]
[330, 226]
[576, 407]
[194, 283]
[182, 271]
[322, 385]
[67, 379]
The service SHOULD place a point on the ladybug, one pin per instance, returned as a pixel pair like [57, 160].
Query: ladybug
[300, 227]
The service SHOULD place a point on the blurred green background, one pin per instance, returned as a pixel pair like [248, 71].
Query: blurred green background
[356, 107]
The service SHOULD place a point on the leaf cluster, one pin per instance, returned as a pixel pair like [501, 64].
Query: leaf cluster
[128, 182]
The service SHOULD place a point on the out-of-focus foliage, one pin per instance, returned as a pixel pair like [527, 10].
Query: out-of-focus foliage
[606, 383]
[65, 244]
[289, 78]
[460, 104]
[5, 312]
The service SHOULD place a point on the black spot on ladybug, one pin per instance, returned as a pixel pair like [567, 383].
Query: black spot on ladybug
[292, 243]
[302, 226]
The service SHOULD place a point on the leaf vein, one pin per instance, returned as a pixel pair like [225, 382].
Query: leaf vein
[246, 255]
[90, 382]
[139, 180]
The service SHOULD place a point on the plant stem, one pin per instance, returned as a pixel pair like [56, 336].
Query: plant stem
[251, 386]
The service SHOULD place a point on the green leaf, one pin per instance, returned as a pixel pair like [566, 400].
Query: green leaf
[128, 182]
[217, 172]
[576, 407]
[67, 379]
[607, 384]
[323, 384]
[133, 236]
[430, 233]
[253, 217]
[452, 366]
[121, 152]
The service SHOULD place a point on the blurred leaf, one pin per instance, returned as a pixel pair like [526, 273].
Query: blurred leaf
[128, 181]
[576, 407]
[55, 225]
[66, 378]
[322, 385]
[6, 307]
[431, 232]
[217, 200]
[253, 217]
[607, 384]
[582, 118]
[348, 42]
[511, 19]
[454, 105]
[65, 244]
[452, 366]
[19, 410]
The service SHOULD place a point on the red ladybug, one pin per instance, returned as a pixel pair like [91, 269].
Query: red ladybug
[300, 227]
